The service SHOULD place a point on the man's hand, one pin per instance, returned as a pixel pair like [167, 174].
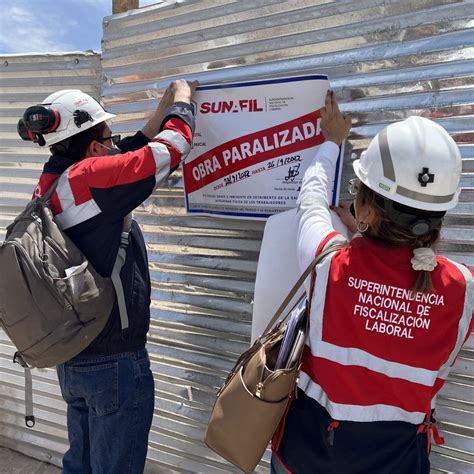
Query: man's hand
[178, 91]
[182, 90]
[334, 124]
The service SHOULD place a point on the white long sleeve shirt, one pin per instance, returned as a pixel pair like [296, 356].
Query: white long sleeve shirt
[314, 216]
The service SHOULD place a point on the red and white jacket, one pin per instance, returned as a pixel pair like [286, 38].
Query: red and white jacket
[376, 351]
[91, 200]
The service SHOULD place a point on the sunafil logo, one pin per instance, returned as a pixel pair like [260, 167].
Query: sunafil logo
[230, 106]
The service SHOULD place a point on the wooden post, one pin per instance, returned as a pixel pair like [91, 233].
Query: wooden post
[121, 6]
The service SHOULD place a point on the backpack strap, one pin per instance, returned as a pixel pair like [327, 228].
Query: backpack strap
[18, 358]
[47, 195]
[116, 280]
[29, 417]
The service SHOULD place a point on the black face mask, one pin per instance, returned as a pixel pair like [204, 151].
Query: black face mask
[114, 151]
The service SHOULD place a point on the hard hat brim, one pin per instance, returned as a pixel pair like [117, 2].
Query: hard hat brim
[396, 197]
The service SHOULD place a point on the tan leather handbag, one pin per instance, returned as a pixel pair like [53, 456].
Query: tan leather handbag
[254, 397]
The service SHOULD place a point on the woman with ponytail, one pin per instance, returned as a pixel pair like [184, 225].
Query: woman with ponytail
[388, 316]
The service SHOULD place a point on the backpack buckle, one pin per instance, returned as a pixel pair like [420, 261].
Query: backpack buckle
[30, 421]
[18, 359]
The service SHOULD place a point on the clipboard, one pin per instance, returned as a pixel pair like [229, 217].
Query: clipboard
[296, 350]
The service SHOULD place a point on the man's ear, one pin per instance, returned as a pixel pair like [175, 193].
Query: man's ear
[95, 148]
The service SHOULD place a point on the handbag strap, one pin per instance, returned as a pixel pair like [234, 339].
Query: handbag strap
[245, 356]
[300, 281]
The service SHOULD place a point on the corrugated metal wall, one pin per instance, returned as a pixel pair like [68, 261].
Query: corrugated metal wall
[26, 80]
[385, 59]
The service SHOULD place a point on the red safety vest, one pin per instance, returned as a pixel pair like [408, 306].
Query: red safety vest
[377, 351]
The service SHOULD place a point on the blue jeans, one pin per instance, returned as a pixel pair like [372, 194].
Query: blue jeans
[110, 402]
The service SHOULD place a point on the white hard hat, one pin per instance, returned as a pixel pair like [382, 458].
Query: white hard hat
[413, 162]
[76, 112]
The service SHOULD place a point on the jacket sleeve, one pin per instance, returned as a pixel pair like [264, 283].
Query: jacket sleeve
[119, 183]
[133, 143]
[315, 228]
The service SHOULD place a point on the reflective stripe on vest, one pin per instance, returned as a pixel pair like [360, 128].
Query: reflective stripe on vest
[464, 323]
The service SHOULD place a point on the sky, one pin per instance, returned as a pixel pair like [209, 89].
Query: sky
[47, 26]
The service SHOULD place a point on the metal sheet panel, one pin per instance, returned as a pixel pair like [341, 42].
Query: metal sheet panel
[386, 60]
[26, 80]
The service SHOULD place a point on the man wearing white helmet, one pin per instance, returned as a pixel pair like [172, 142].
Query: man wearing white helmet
[388, 316]
[109, 388]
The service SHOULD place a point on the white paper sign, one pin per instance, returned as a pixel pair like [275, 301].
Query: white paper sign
[252, 145]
